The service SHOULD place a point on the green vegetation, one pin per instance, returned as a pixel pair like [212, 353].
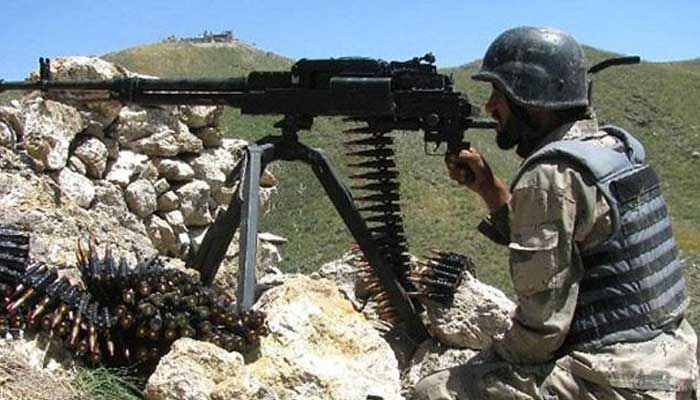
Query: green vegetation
[658, 102]
[110, 384]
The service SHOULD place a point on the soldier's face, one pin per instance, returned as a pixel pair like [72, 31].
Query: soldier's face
[509, 128]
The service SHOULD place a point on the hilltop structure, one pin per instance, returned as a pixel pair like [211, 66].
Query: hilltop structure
[206, 37]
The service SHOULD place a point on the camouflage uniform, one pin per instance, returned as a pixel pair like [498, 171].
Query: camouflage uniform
[551, 208]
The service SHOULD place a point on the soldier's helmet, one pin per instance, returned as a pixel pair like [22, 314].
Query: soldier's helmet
[537, 67]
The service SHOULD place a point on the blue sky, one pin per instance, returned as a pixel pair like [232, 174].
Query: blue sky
[455, 31]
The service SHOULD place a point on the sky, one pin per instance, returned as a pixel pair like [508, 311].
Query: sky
[457, 32]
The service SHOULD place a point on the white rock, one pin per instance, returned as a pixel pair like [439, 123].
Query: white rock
[319, 347]
[150, 172]
[211, 137]
[111, 197]
[12, 116]
[162, 236]
[195, 370]
[478, 314]
[154, 132]
[127, 166]
[194, 203]
[76, 165]
[210, 166]
[168, 201]
[176, 220]
[49, 127]
[141, 198]
[161, 186]
[196, 117]
[77, 187]
[7, 135]
[174, 170]
[102, 113]
[429, 358]
[93, 153]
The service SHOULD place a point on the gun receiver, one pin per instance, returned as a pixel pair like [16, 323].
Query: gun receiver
[385, 96]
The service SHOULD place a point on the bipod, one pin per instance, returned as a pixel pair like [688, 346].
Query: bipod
[243, 210]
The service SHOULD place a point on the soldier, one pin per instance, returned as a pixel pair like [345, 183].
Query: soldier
[601, 295]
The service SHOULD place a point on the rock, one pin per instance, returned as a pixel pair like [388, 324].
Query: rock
[49, 127]
[431, 357]
[195, 370]
[150, 172]
[168, 201]
[76, 165]
[154, 132]
[194, 203]
[344, 272]
[77, 187]
[8, 138]
[110, 198]
[12, 116]
[176, 220]
[211, 137]
[210, 167]
[161, 186]
[162, 236]
[24, 376]
[93, 153]
[478, 314]
[196, 117]
[267, 180]
[32, 201]
[127, 166]
[141, 198]
[174, 170]
[102, 113]
[319, 347]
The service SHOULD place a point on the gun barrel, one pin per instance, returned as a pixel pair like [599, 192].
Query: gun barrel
[145, 91]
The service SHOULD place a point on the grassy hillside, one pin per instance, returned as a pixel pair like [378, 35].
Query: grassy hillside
[658, 102]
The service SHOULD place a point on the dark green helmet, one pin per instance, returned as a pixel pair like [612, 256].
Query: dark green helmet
[537, 67]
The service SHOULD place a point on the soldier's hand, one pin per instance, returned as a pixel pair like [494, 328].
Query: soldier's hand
[469, 168]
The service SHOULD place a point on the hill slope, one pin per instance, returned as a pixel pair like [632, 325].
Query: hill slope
[658, 102]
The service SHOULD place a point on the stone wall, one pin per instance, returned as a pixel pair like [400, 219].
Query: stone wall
[160, 171]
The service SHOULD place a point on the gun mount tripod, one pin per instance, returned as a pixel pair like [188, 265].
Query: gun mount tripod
[243, 210]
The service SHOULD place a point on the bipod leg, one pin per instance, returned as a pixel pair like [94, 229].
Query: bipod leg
[258, 157]
[344, 204]
[211, 252]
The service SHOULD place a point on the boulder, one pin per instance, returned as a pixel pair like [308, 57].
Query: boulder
[196, 117]
[34, 202]
[174, 170]
[194, 370]
[478, 314]
[93, 153]
[126, 167]
[49, 127]
[98, 113]
[141, 198]
[211, 137]
[431, 357]
[161, 186]
[162, 236]
[76, 165]
[8, 138]
[168, 201]
[154, 132]
[77, 187]
[319, 347]
[194, 203]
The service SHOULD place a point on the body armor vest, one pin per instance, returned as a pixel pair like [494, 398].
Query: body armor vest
[633, 287]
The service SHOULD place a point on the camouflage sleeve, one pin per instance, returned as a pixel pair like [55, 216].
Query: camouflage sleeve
[551, 209]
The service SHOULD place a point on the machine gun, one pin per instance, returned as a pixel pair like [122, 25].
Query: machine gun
[383, 96]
